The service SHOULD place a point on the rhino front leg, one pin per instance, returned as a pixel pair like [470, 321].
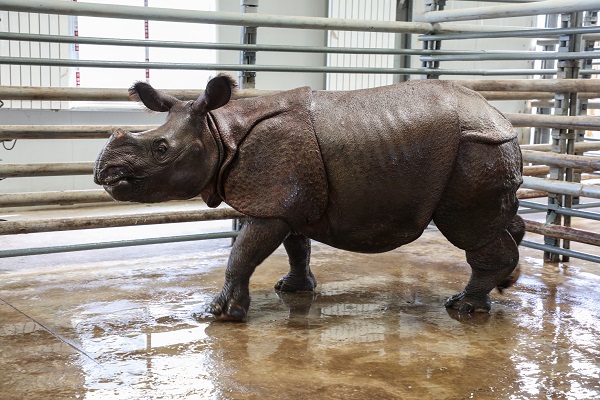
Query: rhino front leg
[256, 241]
[300, 277]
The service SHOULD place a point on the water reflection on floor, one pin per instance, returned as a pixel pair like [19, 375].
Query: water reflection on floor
[129, 324]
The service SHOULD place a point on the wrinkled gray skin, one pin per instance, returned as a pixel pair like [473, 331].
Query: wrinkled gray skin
[363, 170]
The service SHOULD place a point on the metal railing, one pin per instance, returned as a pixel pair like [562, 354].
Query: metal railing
[564, 162]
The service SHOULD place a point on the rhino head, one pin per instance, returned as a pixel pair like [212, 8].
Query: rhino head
[175, 161]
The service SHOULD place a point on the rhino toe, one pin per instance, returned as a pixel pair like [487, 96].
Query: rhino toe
[226, 308]
[293, 283]
[469, 304]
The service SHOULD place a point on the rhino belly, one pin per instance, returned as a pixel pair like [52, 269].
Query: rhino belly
[387, 167]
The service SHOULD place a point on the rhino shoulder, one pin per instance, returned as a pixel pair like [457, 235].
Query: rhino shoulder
[275, 168]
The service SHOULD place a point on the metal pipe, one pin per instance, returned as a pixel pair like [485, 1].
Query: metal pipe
[236, 19]
[507, 1]
[536, 85]
[580, 147]
[101, 94]
[45, 169]
[269, 68]
[47, 198]
[565, 211]
[562, 160]
[110, 245]
[522, 32]
[11, 132]
[590, 87]
[561, 251]
[34, 37]
[208, 17]
[554, 121]
[563, 232]
[561, 187]
[531, 194]
[543, 170]
[508, 10]
[111, 221]
[528, 55]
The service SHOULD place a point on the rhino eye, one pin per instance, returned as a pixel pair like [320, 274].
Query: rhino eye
[160, 148]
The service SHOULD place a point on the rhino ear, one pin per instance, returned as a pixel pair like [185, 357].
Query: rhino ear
[218, 93]
[154, 99]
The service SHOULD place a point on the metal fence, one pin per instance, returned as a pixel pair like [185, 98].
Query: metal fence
[556, 168]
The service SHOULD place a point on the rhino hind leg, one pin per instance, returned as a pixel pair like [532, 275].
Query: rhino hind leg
[300, 278]
[478, 214]
[493, 266]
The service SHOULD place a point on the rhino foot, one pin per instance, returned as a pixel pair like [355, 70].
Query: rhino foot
[225, 307]
[294, 283]
[465, 303]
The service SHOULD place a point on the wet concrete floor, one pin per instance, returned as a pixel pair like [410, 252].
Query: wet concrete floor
[129, 324]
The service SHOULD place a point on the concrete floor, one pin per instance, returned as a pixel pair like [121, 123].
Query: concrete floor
[129, 324]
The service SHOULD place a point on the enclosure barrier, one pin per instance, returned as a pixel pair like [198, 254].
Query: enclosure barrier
[433, 26]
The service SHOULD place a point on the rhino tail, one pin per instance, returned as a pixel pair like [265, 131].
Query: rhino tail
[510, 280]
[516, 228]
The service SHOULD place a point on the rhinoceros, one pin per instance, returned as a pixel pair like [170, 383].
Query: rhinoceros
[363, 170]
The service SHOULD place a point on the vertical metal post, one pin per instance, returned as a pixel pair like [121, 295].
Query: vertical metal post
[246, 79]
[433, 5]
[563, 140]
[542, 135]
[147, 37]
[404, 12]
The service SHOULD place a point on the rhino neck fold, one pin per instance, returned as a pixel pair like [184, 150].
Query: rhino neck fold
[210, 193]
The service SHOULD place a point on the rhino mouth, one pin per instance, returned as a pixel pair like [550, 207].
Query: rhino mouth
[113, 176]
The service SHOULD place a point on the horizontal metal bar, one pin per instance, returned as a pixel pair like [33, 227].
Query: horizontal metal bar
[529, 55]
[563, 232]
[236, 19]
[11, 132]
[269, 68]
[535, 33]
[203, 66]
[558, 250]
[579, 147]
[589, 71]
[508, 10]
[506, 1]
[555, 121]
[583, 86]
[114, 244]
[563, 210]
[31, 37]
[209, 17]
[111, 221]
[54, 197]
[102, 94]
[531, 194]
[560, 187]
[45, 169]
[562, 160]
[533, 85]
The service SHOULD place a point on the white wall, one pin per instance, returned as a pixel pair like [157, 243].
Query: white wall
[280, 36]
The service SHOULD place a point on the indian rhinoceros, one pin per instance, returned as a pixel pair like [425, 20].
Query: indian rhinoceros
[363, 170]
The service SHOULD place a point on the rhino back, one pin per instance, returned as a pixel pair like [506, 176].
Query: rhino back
[388, 154]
